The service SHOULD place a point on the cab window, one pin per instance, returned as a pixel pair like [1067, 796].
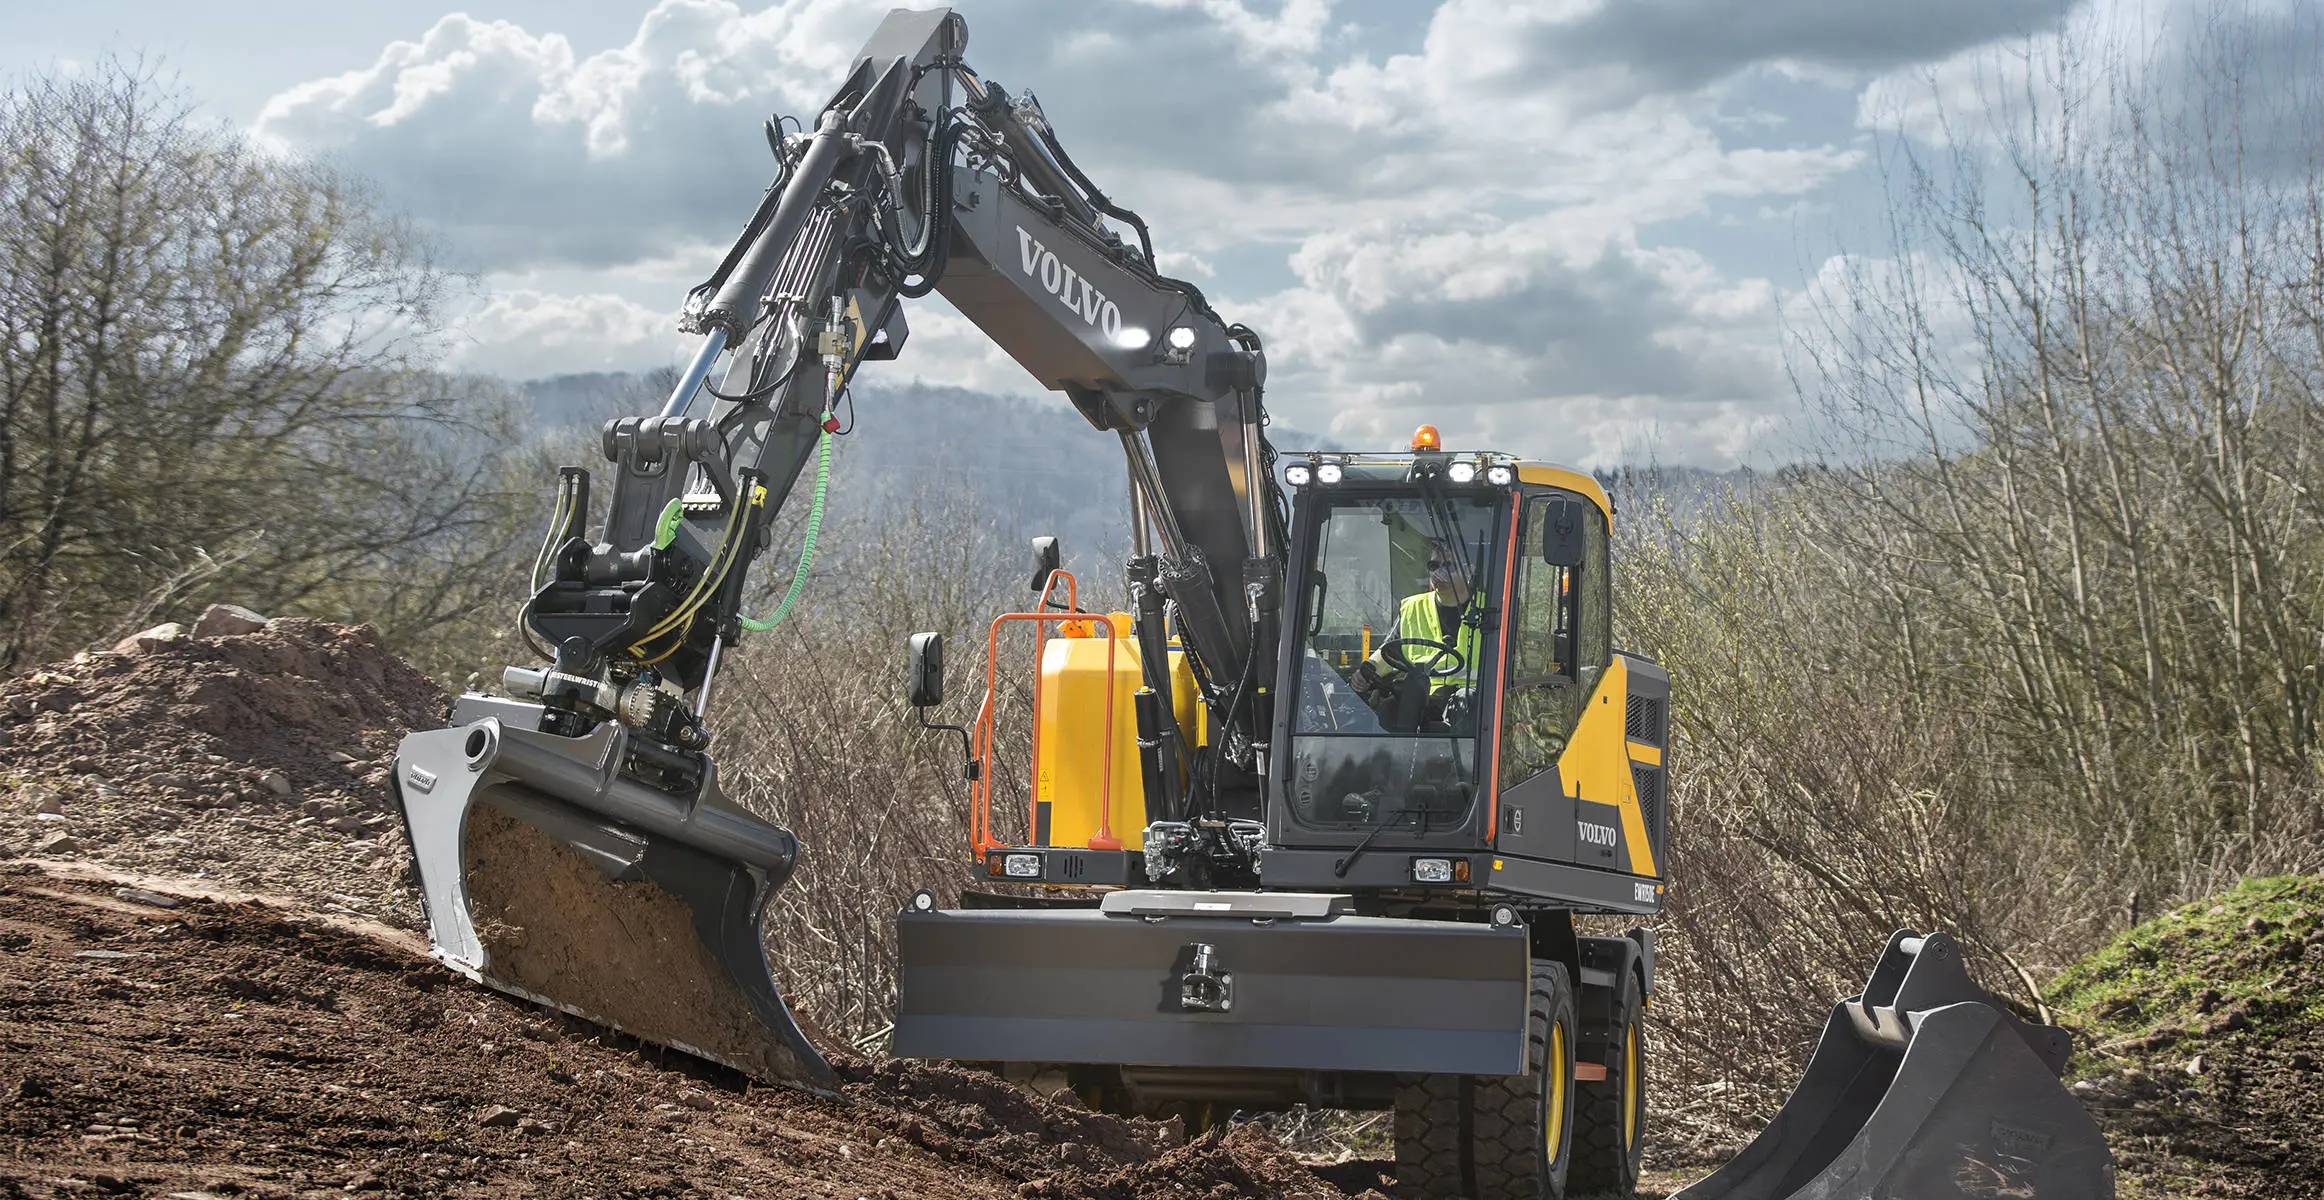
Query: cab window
[1595, 589]
[1543, 700]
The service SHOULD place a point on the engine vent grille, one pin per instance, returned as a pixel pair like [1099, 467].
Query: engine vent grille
[1642, 720]
[1648, 781]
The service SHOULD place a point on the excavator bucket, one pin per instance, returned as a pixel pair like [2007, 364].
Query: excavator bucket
[1924, 1087]
[549, 874]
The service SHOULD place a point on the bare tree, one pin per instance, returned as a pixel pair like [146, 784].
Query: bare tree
[212, 379]
[2034, 644]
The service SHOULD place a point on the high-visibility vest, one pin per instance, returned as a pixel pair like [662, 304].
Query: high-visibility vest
[1417, 619]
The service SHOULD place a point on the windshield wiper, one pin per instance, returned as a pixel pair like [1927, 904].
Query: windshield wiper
[1339, 869]
[1403, 809]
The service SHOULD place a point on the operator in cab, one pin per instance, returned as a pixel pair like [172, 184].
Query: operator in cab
[1439, 617]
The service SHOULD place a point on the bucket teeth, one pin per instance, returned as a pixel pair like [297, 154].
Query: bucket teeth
[623, 917]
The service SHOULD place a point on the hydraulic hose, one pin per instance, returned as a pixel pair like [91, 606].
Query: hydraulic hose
[806, 545]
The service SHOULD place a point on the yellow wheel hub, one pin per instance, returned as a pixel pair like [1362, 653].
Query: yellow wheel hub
[1630, 1086]
[1554, 1088]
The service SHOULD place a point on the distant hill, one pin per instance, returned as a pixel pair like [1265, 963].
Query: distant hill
[1021, 467]
[1024, 466]
[591, 398]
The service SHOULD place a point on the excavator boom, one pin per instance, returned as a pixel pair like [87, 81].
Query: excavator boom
[572, 840]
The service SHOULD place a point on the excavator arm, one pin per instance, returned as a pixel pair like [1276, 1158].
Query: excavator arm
[917, 176]
[594, 766]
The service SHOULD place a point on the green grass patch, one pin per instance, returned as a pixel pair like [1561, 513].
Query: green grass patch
[2234, 963]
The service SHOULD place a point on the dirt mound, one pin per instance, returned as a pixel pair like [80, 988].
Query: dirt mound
[2204, 1036]
[256, 758]
[159, 1040]
[237, 1050]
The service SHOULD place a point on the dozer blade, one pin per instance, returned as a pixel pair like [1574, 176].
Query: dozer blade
[548, 874]
[1924, 1087]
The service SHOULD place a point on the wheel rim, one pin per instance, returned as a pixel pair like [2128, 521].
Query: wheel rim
[1560, 1077]
[1631, 1086]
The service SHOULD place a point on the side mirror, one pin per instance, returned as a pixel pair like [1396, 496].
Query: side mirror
[1046, 560]
[1561, 534]
[926, 675]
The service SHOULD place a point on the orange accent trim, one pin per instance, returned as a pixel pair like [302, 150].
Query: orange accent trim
[1589, 1072]
[1501, 672]
[980, 823]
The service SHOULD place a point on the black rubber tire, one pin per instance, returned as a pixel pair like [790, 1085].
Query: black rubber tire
[1522, 1126]
[1431, 1137]
[1610, 1116]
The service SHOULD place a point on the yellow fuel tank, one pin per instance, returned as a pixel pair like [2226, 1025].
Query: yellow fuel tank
[1069, 763]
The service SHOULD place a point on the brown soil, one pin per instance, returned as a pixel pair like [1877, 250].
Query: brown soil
[303, 1044]
[257, 760]
[623, 953]
[236, 1050]
[281, 1032]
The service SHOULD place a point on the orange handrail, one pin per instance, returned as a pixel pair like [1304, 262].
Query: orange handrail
[980, 812]
[1072, 590]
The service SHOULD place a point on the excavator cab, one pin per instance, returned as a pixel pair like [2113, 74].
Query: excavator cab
[1455, 712]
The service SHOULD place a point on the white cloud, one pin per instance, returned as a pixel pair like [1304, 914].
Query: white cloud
[1640, 46]
[1181, 264]
[523, 153]
[1469, 215]
[1541, 336]
[1223, 126]
[1297, 27]
[527, 334]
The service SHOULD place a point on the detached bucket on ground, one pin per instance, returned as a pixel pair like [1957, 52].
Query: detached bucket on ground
[548, 874]
[1924, 1087]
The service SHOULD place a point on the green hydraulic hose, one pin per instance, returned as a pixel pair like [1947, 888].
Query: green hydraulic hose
[666, 529]
[806, 547]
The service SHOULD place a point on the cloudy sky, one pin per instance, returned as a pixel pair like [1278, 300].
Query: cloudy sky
[1567, 227]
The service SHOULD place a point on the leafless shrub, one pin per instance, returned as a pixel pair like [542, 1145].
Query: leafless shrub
[819, 737]
[2034, 649]
[214, 383]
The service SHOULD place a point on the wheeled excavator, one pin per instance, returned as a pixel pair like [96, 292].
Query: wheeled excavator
[1315, 818]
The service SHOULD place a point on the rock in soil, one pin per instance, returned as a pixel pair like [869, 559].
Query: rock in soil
[157, 638]
[226, 620]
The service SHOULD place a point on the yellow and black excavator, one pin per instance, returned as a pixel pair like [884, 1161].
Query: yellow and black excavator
[1313, 816]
